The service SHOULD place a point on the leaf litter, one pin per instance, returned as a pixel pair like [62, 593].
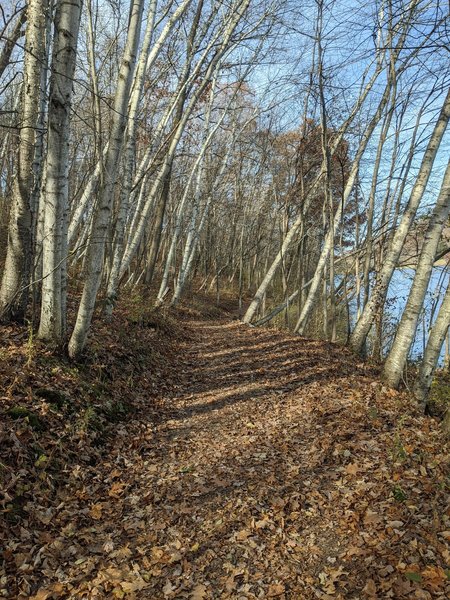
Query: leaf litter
[203, 459]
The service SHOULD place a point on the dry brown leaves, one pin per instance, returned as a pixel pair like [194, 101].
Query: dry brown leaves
[256, 465]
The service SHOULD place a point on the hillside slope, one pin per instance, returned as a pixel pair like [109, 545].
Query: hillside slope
[246, 463]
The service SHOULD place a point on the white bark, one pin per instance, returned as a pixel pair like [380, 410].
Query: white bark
[142, 219]
[373, 190]
[330, 237]
[96, 248]
[16, 34]
[147, 57]
[85, 199]
[197, 168]
[292, 233]
[14, 289]
[189, 251]
[432, 351]
[54, 254]
[364, 324]
[395, 363]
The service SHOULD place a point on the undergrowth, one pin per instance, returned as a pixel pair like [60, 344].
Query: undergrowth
[56, 413]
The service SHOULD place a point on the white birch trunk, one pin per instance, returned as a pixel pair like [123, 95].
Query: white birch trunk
[396, 361]
[129, 159]
[329, 240]
[15, 35]
[142, 219]
[432, 351]
[14, 290]
[189, 252]
[147, 58]
[101, 219]
[364, 324]
[292, 233]
[55, 193]
[85, 198]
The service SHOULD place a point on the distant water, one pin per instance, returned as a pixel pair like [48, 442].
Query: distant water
[396, 301]
[398, 294]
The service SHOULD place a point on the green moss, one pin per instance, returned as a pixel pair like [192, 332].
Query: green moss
[90, 420]
[117, 411]
[439, 398]
[399, 493]
[20, 412]
[42, 461]
[55, 397]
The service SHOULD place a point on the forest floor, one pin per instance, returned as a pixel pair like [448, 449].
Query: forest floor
[200, 458]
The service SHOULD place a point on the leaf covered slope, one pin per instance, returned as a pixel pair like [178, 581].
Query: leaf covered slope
[204, 459]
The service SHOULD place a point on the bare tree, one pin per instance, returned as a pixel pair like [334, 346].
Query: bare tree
[390, 262]
[96, 248]
[395, 363]
[14, 291]
[52, 326]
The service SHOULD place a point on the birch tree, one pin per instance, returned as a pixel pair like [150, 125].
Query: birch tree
[238, 11]
[292, 232]
[432, 351]
[147, 58]
[364, 324]
[52, 325]
[328, 247]
[101, 219]
[14, 36]
[395, 363]
[14, 290]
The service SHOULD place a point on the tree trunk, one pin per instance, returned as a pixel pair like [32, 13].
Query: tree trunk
[17, 33]
[102, 216]
[55, 198]
[14, 291]
[157, 230]
[364, 324]
[395, 363]
[146, 60]
[334, 223]
[141, 219]
[432, 351]
[292, 233]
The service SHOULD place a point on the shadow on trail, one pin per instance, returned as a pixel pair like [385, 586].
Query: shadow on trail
[235, 365]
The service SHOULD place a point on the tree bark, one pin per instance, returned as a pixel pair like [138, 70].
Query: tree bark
[14, 290]
[432, 351]
[292, 233]
[147, 57]
[329, 240]
[102, 216]
[364, 324]
[55, 198]
[396, 361]
[17, 33]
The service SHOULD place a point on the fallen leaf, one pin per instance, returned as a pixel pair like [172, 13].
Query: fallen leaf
[352, 469]
[117, 489]
[199, 592]
[370, 588]
[96, 510]
[275, 589]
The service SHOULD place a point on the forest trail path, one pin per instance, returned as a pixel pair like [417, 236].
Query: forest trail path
[245, 440]
[273, 471]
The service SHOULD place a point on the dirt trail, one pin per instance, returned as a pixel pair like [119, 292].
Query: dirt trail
[278, 468]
